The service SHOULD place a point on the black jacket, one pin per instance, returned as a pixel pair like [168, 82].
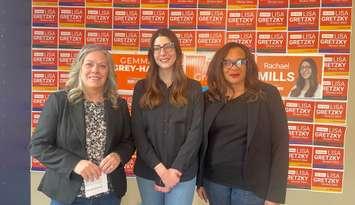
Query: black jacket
[266, 158]
[59, 143]
[168, 134]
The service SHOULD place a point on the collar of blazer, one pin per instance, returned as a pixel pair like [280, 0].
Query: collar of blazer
[78, 118]
[212, 109]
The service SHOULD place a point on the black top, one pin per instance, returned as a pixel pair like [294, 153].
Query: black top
[166, 133]
[226, 150]
[265, 165]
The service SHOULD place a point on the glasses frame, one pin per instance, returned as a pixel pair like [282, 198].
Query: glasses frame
[238, 63]
[167, 47]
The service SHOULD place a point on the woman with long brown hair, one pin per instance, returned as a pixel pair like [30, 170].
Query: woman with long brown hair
[307, 82]
[244, 155]
[166, 120]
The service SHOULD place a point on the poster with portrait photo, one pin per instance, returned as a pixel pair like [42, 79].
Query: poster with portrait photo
[296, 76]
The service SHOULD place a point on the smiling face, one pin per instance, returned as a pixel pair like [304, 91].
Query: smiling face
[94, 71]
[164, 52]
[306, 70]
[234, 71]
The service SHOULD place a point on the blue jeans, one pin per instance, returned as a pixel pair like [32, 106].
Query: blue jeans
[223, 195]
[181, 194]
[109, 199]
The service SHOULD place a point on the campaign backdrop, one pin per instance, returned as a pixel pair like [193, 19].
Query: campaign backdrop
[282, 34]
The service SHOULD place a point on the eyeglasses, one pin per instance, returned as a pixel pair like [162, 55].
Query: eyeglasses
[238, 63]
[168, 47]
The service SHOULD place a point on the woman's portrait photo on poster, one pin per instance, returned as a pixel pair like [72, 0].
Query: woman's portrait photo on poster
[307, 84]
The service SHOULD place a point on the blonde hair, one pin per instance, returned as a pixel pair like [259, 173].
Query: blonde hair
[74, 84]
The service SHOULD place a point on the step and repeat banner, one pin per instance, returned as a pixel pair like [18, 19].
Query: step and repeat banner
[283, 34]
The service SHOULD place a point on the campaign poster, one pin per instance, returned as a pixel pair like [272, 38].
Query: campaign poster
[241, 20]
[300, 133]
[154, 18]
[63, 77]
[129, 166]
[98, 18]
[144, 39]
[125, 40]
[34, 119]
[271, 19]
[241, 4]
[196, 68]
[273, 3]
[45, 16]
[211, 19]
[154, 3]
[182, 3]
[99, 3]
[288, 73]
[304, 3]
[37, 165]
[71, 2]
[271, 42]
[130, 68]
[99, 37]
[300, 156]
[246, 38]
[327, 181]
[329, 135]
[336, 64]
[303, 19]
[44, 80]
[44, 59]
[330, 112]
[182, 18]
[335, 89]
[328, 157]
[71, 38]
[221, 4]
[45, 2]
[187, 39]
[44, 38]
[335, 18]
[126, 3]
[126, 18]
[39, 99]
[336, 3]
[71, 17]
[210, 40]
[302, 111]
[66, 58]
[299, 178]
[334, 42]
[303, 42]
[127, 95]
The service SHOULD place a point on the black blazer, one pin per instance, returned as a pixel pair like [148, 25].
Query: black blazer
[59, 143]
[266, 158]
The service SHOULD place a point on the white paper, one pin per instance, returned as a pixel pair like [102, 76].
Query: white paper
[97, 186]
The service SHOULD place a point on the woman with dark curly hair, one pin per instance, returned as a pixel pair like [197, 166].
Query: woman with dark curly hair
[244, 155]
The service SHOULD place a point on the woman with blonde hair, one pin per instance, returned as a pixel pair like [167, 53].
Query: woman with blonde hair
[84, 136]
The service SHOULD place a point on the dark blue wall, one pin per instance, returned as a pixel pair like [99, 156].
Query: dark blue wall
[15, 98]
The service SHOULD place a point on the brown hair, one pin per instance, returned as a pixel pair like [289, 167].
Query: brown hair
[153, 95]
[217, 84]
[313, 82]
